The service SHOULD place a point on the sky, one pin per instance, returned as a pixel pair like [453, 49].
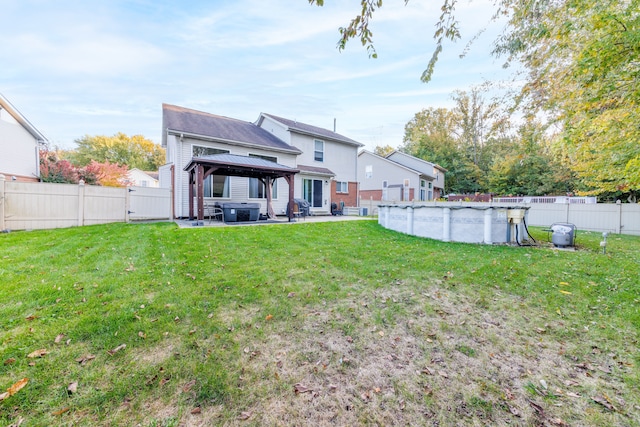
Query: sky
[101, 67]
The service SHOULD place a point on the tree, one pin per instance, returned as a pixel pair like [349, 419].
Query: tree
[55, 169]
[446, 29]
[462, 140]
[530, 168]
[105, 174]
[383, 151]
[134, 152]
[433, 135]
[583, 63]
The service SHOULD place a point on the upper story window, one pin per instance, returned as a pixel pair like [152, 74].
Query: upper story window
[214, 185]
[199, 151]
[342, 187]
[368, 171]
[318, 151]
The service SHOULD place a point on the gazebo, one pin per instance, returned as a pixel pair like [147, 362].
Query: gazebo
[199, 168]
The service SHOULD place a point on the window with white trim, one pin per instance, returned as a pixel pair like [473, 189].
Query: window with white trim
[342, 187]
[368, 171]
[318, 151]
[214, 185]
[257, 188]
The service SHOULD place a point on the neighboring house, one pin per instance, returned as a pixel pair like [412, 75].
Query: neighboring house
[141, 178]
[423, 166]
[328, 162]
[20, 143]
[398, 177]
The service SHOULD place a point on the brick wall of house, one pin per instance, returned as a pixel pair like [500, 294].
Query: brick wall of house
[349, 199]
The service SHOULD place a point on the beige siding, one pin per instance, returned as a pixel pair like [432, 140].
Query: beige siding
[238, 186]
[18, 148]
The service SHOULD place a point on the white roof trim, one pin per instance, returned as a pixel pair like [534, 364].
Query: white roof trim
[6, 105]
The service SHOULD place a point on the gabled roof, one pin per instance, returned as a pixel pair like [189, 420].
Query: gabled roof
[396, 164]
[6, 105]
[396, 152]
[198, 124]
[305, 129]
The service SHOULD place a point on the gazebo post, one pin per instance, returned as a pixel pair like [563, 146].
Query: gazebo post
[200, 191]
[290, 181]
[191, 182]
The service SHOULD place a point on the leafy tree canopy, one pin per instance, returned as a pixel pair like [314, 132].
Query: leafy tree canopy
[134, 152]
[582, 62]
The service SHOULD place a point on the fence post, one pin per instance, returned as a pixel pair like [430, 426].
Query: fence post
[2, 199]
[619, 226]
[81, 203]
[127, 204]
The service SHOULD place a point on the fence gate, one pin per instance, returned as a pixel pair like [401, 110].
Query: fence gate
[146, 203]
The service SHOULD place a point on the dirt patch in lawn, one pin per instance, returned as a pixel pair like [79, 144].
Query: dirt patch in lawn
[412, 355]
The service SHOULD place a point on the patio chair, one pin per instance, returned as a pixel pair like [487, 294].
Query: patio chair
[215, 212]
[296, 212]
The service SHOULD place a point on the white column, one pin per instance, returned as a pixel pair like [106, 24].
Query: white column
[410, 220]
[446, 225]
[488, 214]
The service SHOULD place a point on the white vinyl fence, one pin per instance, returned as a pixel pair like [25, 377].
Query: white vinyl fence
[622, 218]
[37, 205]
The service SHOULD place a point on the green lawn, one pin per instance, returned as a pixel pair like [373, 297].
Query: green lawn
[338, 323]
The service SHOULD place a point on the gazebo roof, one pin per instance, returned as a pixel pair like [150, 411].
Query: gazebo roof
[235, 165]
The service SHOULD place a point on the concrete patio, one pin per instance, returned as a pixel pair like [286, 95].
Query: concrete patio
[185, 223]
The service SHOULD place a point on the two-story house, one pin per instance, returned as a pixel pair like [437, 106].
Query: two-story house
[398, 177]
[324, 161]
[20, 143]
[327, 162]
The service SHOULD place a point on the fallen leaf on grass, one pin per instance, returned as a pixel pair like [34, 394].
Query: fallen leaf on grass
[14, 388]
[196, 410]
[269, 317]
[130, 268]
[291, 294]
[142, 335]
[188, 386]
[32, 317]
[9, 361]
[602, 400]
[537, 408]
[73, 387]
[245, 415]
[514, 410]
[38, 353]
[58, 338]
[565, 292]
[61, 411]
[299, 388]
[84, 359]
[165, 380]
[117, 349]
